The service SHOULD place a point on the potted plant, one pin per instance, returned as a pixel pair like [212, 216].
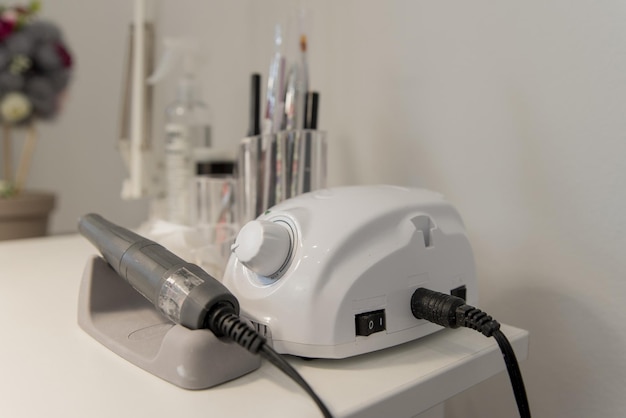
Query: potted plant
[35, 69]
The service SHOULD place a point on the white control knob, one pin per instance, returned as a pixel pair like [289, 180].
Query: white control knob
[263, 246]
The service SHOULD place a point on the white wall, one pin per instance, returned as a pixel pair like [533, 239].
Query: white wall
[516, 111]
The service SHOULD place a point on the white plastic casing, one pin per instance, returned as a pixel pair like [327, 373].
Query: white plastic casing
[355, 250]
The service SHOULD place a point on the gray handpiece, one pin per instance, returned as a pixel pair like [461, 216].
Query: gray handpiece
[180, 290]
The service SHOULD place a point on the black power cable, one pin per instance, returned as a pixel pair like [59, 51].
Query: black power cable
[452, 312]
[223, 320]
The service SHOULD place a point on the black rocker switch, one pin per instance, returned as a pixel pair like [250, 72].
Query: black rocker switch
[370, 322]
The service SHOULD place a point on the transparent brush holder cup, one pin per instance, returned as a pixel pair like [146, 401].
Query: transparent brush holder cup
[274, 167]
[214, 222]
[213, 200]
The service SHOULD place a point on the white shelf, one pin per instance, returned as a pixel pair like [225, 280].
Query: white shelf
[51, 368]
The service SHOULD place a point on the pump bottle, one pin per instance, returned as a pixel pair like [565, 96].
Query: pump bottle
[187, 127]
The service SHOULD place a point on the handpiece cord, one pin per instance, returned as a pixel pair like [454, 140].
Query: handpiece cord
[277, 360]
[452, 312]
[223, 321]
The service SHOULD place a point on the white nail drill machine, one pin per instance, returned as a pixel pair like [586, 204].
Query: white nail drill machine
[330, 273]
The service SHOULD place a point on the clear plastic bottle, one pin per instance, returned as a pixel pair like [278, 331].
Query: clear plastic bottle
[187, 127]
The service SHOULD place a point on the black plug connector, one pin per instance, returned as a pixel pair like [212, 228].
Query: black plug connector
[436, 307]
[452, 312]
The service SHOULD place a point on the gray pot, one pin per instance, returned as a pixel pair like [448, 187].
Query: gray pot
[25, 215]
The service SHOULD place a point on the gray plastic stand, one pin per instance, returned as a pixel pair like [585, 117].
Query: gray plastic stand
[125, 322]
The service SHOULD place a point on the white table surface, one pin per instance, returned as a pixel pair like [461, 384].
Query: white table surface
[49, 367]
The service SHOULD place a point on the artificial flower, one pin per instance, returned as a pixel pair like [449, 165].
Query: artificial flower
[34, 62]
